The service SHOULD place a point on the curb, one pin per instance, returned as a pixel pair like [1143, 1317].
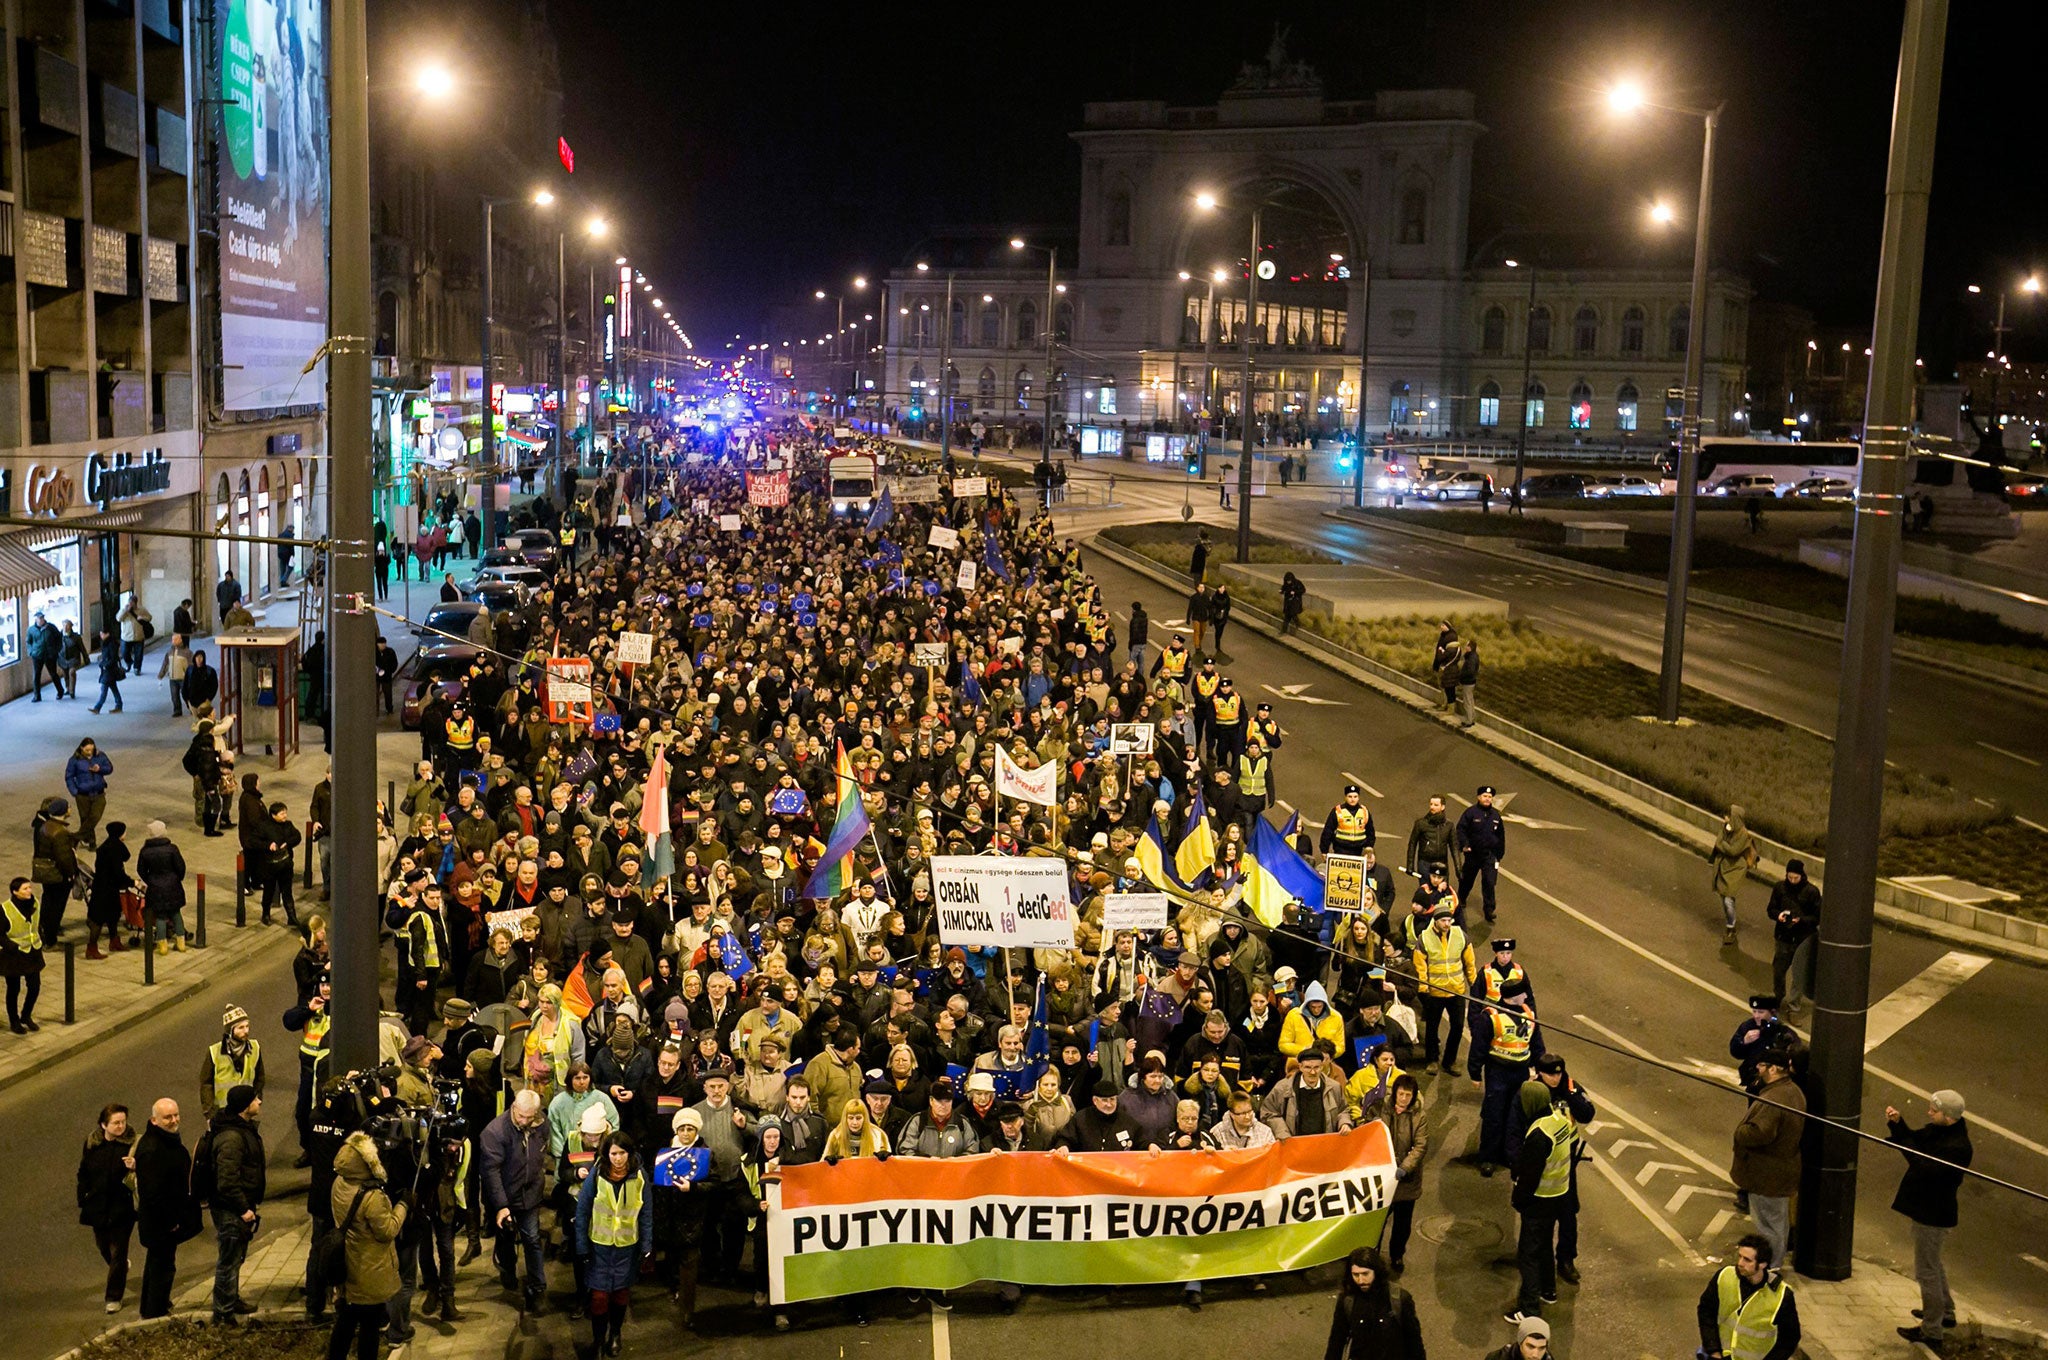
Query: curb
[1669, 817]
[1926, 653]
[147, 1000]
[261, 1318]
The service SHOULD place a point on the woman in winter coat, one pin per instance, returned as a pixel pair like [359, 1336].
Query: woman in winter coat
[493, 971]
[1373, 1320]
[106, 1195]
[1734, 855]
[360, 1311]
[109, 880]
[162, 868]
[679, 1211]
[252, 815]
[1402, 1114]
[54, 866]
[85, 779]
[614, 1230]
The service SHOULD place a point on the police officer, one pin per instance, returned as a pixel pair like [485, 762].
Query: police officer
[1226, 730]
[1759, 1034]
[1266, 728]
[1482, 845]
[311, 1020]
[1254, 778]
[1505, 1041]
[1207, 683]
[1348, 830]
[1173, 663]
[1501, 976]
[422, 945]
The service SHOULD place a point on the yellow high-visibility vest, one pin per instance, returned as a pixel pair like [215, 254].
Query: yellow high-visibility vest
[1557, 1167]
[1511, 1034]
[1173, 665]
[1206, 686]
[1229, 708]
[1352, 821]
[227, 1074]
[1749, 1327]
[615, 1212]
[313, 1038]
[23, 932]
[430, 955]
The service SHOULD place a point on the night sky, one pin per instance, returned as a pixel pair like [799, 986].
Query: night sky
[754, 153]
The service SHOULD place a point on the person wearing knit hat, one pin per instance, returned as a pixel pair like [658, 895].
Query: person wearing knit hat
[236, 1060]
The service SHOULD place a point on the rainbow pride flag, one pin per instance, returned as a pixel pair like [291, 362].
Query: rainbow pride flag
[835, 872]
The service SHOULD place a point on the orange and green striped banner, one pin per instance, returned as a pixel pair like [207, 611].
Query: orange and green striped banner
[1051, 1218]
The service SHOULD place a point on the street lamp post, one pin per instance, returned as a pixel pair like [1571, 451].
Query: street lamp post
[1626, 98]
[1245, 402]
[489, 479]
[945, 372]
[1364, 376]
[1528, 353]
[1052, 258]
[2030, 284]
[1209, 366]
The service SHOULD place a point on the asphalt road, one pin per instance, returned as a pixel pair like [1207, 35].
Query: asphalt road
[1990, 741]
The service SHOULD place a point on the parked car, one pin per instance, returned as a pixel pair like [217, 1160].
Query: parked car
[1554, 485]
[1626, 485]
[527, 578]
[1744, 484]
[448, 622]
[1458, 486]
[504, 555]
[501, 594]
[536, 548]
[440, 667]
[1822, 489]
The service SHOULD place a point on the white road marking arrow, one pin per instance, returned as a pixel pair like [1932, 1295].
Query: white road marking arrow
[1294, 692]
[1718, 1071]
[1722, 1218]
[2034, 1261]
[1686, 1192]
[1621, 1143]
[1535, 824]
[1650, 1170]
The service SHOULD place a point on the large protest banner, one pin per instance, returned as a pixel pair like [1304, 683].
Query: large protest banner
[1087, 1218]
[1008, 901]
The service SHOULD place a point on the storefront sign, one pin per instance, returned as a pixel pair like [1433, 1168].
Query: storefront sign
[124, 476]
[285, 443]
[50, 490]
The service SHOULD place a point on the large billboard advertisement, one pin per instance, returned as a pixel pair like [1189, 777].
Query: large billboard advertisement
[272, 187]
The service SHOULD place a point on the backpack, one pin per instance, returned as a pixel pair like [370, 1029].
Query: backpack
[330, 1248]
[191, 761]
[202, 1168]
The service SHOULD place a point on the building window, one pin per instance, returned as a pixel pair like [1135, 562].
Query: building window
[1116, 218]
[1581, 406]
[1191, 325]
[1023, 389]
[1539, 330]
[1397, 403]
[917, 377]
[985, 390]
[991, 325]
[1532, 406]
[1681, 322]
[1493, 331]
[959, 322]
[1105, 398]
[1626, 403]
[1414, 215]
[1674, 411]
[1585, 331]
[1632, 331]
[1489, 404]
[1063, 323]
[921, 323]
[1027, 322]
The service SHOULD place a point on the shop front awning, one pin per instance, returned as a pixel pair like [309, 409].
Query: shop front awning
[57, 530]
[22, 570]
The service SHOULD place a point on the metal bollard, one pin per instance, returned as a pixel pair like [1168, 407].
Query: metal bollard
[308, 880]
[70, 982]
[241, 893]
[199, 940]
[149, 964]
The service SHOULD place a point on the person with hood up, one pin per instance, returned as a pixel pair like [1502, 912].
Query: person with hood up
[614, 1232]
[1734, 854]
[1794, 910]
[1314, 1020]
[363, 1211]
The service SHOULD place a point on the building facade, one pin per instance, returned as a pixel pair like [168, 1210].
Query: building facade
[98, 410]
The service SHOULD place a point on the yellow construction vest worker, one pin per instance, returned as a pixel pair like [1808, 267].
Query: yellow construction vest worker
[1495, 982]
[1251, 775]
[430, 954]
[1511, 1035]
[23, 931]
[568, 535]
[1205, 687]
[313, 1038]
[461, 734]
[1173, 665]
[1229, 708]
[1749, 1327]
[227, 1074]
[615, 1212]
[1352, 822]
[1444, 962]
[1557, 1167]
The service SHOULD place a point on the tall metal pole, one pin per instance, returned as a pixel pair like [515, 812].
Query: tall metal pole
[488, 483]
[1244, 463]
[1208, 373]
[946, 379]
[1364, 378]
[561, 354]
[351, 628]
[1671, 677]
[1052, 259]
[1522, 434]
[1841, 997]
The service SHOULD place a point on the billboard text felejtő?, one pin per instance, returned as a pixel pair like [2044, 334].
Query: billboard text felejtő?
[272, 186]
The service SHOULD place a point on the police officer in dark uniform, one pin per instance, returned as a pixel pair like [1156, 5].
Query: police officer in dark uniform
[1482, 845]
[1266, 728]
[1758, 1035]
[1348, 830]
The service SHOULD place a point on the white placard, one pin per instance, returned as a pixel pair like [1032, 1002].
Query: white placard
[970, 486]
[930, 654]
[568, 692]
[918, 490]
[942, 537]
[729, 523]
[1133, 911]
[702, 505]
[1010, 901]
[636, 649]
[969, 574]
[1131, 739]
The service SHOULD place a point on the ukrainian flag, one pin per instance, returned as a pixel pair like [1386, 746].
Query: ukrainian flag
[1274, 874]
[1195, 856]
[1152, 857]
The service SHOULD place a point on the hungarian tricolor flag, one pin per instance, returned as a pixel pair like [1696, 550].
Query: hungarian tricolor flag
[661, 856]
